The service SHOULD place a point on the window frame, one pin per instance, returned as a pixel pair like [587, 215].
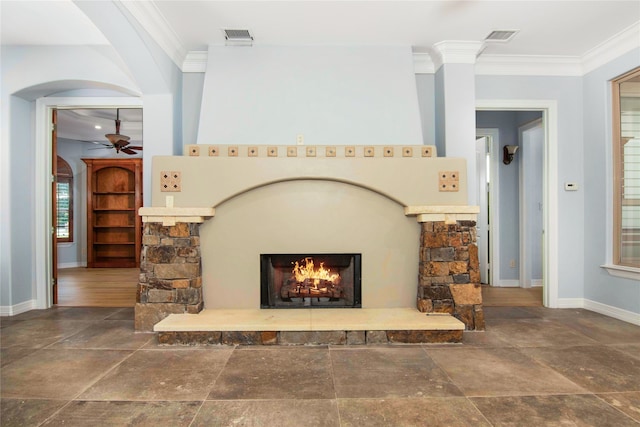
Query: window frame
[64, 175]
[618, 169]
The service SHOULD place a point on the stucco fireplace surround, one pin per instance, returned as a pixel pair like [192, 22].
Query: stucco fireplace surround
[216, 209]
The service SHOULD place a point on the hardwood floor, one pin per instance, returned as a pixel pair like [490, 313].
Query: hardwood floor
[511, 297]
[116, 287]
[97, 287]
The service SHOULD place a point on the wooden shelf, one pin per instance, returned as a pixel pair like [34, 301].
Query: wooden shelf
[114, 230]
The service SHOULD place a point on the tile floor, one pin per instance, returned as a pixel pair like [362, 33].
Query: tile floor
[532, 367]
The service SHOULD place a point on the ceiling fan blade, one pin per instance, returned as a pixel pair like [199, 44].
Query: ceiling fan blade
[106, 147]
[135, 147]
[127, 150]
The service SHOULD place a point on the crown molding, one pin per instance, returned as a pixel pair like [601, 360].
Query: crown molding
[529, 65]
[195, 61]
[455, 52]
[616, 46]
[423, 64]
[152, 20]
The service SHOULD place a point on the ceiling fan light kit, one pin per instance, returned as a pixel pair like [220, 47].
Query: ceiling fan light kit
[120, 142]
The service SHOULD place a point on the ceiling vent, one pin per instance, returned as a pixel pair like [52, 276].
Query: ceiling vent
[238, 37]
[501, 36]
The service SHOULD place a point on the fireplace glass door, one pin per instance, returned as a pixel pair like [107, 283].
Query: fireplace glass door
[310, 280]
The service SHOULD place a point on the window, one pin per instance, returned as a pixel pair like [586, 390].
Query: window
[64, 201]
[626, 158]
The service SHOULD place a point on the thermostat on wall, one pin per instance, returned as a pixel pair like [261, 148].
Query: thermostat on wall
[570, 186]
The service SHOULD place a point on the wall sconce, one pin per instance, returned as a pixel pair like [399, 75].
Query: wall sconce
[508, 151]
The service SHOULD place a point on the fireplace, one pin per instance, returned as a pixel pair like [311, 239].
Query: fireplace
[401, 208]
[310, 280]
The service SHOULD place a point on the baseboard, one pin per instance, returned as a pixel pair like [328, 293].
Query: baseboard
[607, 310]
[536, 283]
[71, 265]
[12, 310]
[508, 284]
[570, 302]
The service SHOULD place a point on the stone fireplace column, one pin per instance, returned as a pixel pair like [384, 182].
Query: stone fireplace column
[170, 268]
[449, 278]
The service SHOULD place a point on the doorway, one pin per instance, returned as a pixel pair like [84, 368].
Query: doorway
[504, 270]
[47, 249]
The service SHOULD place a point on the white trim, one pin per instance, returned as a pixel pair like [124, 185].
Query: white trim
[12, 310]
[423, 64]
[607, 310]
[570, 303]
[487, 64]
[529, 65]
[76, 264]
[535, 283]
[616, 46]
[514, 283]
[153, 21]
[622, 271]
[455, 52]
[494, 202]
[42, 191]
[549, 110]
[195, 61]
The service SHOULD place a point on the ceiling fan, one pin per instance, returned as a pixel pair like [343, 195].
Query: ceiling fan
[120, 142]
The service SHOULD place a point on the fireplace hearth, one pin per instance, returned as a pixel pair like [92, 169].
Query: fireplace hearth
[310, 280]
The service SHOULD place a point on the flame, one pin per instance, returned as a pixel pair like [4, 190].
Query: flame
[308, 271]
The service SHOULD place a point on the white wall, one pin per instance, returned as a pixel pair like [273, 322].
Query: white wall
[332, 95]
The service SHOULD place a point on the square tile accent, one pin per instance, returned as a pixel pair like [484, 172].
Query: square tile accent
[194, 150]
[311, 151]
[407, 152]
[350, 151]
[388, 151]
[214, 150]
[272, 151]
[252, 151]
[369, 151]
[330, 151]
[426, 152]
[448, 181]
[233, 151]
[170, 181]
[292, 151]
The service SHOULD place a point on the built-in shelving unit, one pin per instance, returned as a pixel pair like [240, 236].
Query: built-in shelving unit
[114, 228]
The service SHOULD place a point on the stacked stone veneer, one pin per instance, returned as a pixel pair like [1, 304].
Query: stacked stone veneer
[449, 275]
[170, 273]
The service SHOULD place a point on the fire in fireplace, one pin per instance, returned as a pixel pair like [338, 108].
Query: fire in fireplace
[310, 280]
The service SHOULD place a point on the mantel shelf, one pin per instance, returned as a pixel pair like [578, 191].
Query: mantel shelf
[171, 215]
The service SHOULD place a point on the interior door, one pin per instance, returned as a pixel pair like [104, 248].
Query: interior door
[54, 206]
[531, 209]
[482, 226]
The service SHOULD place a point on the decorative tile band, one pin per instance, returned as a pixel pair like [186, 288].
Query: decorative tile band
[170, 181]
[319, 151]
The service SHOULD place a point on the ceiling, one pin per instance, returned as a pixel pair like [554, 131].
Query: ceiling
[565, 28]
[562, 29]
[80, 124]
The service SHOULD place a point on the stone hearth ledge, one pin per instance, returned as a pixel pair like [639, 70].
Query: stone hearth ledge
[302, 319]
[309, 326]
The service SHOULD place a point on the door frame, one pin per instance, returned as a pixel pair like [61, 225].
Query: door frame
[549, 109]
[43, 251]
[494, 201]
